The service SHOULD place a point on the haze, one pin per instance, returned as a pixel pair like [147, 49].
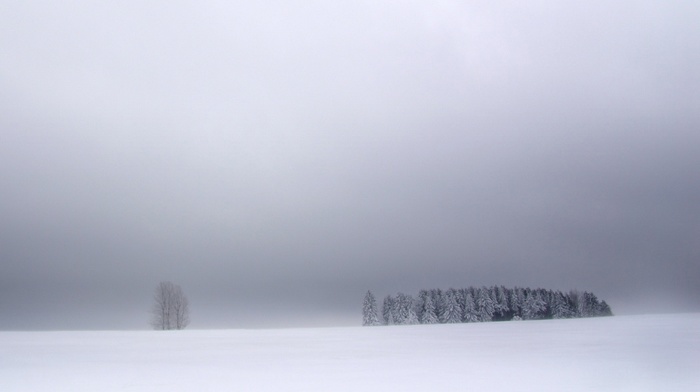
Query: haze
[279, 159]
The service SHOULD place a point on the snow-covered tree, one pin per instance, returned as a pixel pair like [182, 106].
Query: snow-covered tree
[533, 306]
[484, 305]
[500, 305]
[387, 310]
[451, 312]
[428, 315]
[604, 309]
[369, 310]
[591, 305]
[436, 296]
[462, 300]
[560, 306]
[548, 297]
[419, 303]
[515, 301]
[577, 303]
[403, 312]
[471, 315]
[395, 312]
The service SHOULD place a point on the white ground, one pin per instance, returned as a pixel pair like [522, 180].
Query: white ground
[623, 353]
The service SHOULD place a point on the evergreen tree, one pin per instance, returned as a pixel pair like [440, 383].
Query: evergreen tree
[547, 297]
[387, 311]
[451, 313]
[395, 314]
[397, 309]
[591, 305]
[484, 305]
[604, 309]
[436, 296]
[560, 307]
[428, 315]
[369, 310]
[420, 304]
[462, 300]
[533, 306]
[403, 307]
[578, 305]
[515, 303]
[471, 315]
[500, 305]
[411, 318]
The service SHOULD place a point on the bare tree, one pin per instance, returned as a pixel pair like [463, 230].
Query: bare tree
[181, 309]
[171, 309]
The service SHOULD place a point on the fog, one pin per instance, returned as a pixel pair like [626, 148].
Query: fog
[277, 160]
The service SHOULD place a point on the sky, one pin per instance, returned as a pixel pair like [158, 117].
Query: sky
[277, 159]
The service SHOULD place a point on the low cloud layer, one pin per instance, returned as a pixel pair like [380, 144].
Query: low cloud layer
[277, 160]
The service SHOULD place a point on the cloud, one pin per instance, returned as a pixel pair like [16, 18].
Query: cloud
[282, 153]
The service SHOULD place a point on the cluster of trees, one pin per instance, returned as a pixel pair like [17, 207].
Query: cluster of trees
[470, 305]
[171, 310]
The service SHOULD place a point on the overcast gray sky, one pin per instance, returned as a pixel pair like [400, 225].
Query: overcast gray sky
[277, 159]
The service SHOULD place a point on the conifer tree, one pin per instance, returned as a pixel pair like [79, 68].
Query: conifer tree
[547, 297]
[420, 304]
[560, 306]
[592, 305]
[533, 306]
[604, 309]
[500, 305]
[436, 296]
[411, 317]
[470, 313]
[428, 315]
[515, 303]
[403, 307]
[387, 310]
[369, 310]
[451, 313]
[462, 300]
[484, 305]
[577, 303]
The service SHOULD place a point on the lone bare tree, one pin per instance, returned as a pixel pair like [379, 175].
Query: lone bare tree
[171, 309]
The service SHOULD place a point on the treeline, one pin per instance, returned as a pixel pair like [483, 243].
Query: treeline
[472, 305]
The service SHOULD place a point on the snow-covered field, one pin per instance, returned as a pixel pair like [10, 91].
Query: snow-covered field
[624, 353]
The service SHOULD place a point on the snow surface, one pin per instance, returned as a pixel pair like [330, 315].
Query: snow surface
[628, 353]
